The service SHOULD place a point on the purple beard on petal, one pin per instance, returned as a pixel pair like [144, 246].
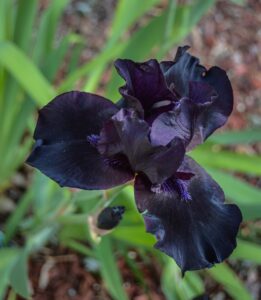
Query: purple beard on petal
[173, 184]
[93, 139]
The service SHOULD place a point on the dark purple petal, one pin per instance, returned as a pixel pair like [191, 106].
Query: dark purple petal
[187, 68]
[177, 122]
[158, 162]
[201, 93]
[181, 121]
[145, 84]
[184, 175]
[78, 164]
[196, 233]
[66, 134]
[109, 141]
[73, 116]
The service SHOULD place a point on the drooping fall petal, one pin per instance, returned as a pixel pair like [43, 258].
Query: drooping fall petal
[63, 150]
[197, 232]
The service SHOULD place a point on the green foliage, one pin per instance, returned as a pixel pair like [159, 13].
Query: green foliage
[248, 136]
[30, 59]
[109, 269]
[242, 193]
[177, 288]
[229, 280]
[227, 160]
[22, 68]
[247, 251]
[19, 275]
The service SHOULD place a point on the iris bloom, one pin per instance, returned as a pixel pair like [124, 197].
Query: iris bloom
[87, 142]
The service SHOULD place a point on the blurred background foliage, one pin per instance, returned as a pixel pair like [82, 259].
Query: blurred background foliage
[42, 225]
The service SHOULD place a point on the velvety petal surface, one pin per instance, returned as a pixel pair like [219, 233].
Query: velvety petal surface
[145, 84]
[157, 162]
[73, 116]
[109, 141]
[64, 150]
[181, 120]
[187, 68]
[177, 122]
[196, 232]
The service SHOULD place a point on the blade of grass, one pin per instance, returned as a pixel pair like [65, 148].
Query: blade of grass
[9, 19]
[87, 68]
[19, 279]
[248, 136]
[249, 164]
[77, 49]
[172, 6]
[7, 262]
[13, 222]
[134, 235]
[176, 287]
[13, 160]
[55, 58]
[186, 17]
[15, 123]
[26, 12]
[79, 247]
[229, 280]
[3, 16]
[235, 188]
[109, 269]
[127, 12]
[247, 251]
[48, 27]
[245, 195]
[22, 68]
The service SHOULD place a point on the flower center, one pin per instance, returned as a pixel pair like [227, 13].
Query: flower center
[161, 104]
[173, 185]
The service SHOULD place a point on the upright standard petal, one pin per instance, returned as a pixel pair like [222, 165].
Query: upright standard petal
[186, 69]
[182, 120]
[145, 85]
[157, 162]
[65, 134]
[177, 122]
[196, 233]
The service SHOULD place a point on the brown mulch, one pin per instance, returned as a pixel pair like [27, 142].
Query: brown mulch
[60, 274]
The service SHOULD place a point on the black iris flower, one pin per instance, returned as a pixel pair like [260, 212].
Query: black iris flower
[86, 141]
